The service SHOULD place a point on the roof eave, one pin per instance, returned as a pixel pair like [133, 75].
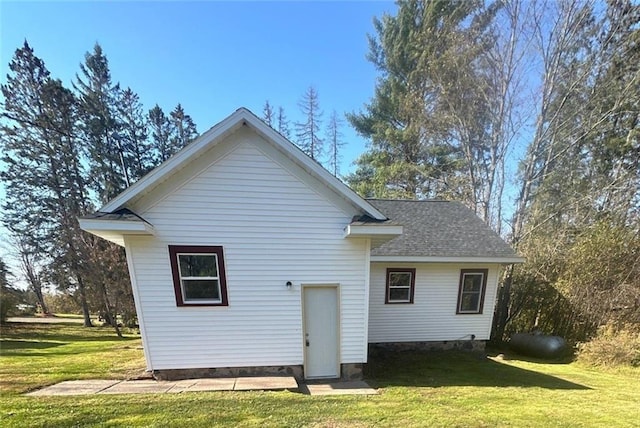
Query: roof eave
[116, 230]
[372, 230]
[449, 259]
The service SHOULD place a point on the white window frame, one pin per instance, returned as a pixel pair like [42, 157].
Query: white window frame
[483, 273]
[199, 278]
[175, 252]
[411, 287]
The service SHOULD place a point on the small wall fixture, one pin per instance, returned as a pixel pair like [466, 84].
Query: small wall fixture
[289, 285]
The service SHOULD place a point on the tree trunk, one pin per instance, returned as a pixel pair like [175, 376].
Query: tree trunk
[83, 303]
[110, 317]
[501, 315]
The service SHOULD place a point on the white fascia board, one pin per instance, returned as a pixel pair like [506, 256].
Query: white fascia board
[362, 231]
[121, 227]
[223, 128]
[449, 259]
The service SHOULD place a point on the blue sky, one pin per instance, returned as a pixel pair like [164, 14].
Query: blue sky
[212, 57]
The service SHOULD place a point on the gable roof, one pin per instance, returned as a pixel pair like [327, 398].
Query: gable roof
[239, 118]
[440, 231]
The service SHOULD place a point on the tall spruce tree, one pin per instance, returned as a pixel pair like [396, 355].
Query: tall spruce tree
[100, 126]
[45, 180]
[160, 131]
[308, 130]
[133, 133]
[183, 129]
[421, 54]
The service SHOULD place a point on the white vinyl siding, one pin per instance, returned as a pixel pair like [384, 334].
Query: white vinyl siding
[274, 228]
[432, 316]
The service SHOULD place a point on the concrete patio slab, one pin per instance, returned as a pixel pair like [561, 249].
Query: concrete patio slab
[271, 383]
[75, 387]
[139, 387]
[151, 386]
[341, 388]
[197, 385]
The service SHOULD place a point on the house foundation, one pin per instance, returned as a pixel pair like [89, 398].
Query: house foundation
[444, 345]
[348, 372]
[222, 372]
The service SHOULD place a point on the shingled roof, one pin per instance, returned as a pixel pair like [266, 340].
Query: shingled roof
[439, 229]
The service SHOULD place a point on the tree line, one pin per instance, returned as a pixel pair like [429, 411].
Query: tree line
[528, 112]
[321, 143]
[67, 151]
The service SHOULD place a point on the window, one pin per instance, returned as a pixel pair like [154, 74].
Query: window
[198, 275]
[471, 291]
[400, 285]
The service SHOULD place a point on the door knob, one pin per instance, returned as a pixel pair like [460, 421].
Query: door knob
[307, 342]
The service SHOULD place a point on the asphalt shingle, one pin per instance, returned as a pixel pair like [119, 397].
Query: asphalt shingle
[438, 228]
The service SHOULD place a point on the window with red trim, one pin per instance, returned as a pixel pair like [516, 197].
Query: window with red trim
[198, 275]
[473, 284]
[400, 285]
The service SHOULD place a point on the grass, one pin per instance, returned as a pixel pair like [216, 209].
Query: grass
[416, 389]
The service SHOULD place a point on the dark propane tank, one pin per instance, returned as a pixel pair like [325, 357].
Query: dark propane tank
[538, 345]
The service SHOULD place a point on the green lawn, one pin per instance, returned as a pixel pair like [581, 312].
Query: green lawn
[438, 389]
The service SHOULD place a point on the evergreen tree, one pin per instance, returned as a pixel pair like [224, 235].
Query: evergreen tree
[308, 131]
[268, 115]
[422, 55]
[161, 131]
[8, 294]
[138, 153]
[183, 130]
[45, 181]
[100, 126]
[283, 123]
[334, 138]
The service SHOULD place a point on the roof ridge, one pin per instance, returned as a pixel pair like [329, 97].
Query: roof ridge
[408, 200]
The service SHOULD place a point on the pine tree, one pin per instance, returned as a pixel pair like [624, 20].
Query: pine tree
[334, 138]
[268, 115]
[45, 180]
[283, 123]
[8, 294]
[183, 130]
[138, 154]
[160, 130]
[421, 54]
[308, 131]
[98, 105]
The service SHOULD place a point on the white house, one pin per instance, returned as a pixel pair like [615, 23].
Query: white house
[248, 257]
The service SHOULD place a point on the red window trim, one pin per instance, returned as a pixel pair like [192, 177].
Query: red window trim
[484, 273]
[412, 271]
[175, 273]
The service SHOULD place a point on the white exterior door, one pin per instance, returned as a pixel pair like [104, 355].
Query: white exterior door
[321, 327]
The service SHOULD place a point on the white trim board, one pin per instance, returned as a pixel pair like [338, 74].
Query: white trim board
[449, 259]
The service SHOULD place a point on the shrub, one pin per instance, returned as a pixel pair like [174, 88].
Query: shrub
[612, 346]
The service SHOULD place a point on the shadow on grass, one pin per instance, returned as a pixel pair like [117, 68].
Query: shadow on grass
[9, 346]
[62, 332]
[508, 354]
[451, 368]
